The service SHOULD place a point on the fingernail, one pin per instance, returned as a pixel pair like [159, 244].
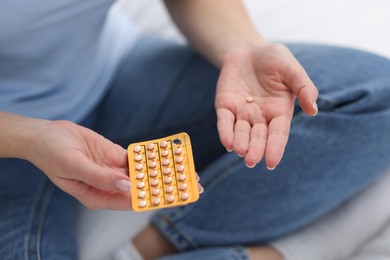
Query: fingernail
[123, 185]
[197, 178]
[315, 108]
[271, 169]
[250, 166]
[229, 151]
[201, 190]
[241, 155]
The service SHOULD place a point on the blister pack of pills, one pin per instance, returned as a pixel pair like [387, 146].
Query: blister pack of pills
[162, 172]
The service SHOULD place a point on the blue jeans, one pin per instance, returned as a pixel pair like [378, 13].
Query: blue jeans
[162, 88]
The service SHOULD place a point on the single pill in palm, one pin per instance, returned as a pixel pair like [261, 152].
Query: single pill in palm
[249, 99]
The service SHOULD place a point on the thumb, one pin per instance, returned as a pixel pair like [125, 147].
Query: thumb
[105, 178]
[303, 88]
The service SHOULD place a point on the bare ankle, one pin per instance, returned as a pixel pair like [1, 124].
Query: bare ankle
[151, 244]
[263, 253]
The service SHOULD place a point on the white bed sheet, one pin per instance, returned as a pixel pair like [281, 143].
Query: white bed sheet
[356, 23]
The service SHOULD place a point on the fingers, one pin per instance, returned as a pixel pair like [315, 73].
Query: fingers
[303, 88]
[225, 126]
[242, 130]
[104, 178]
[279, 129]
[257, 143]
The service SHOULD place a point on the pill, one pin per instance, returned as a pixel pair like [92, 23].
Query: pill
[178, 151]
[151, 155]
[165, 162]
[138, 158]
[142, 203]
[182, 177]
[164, 153]
[139, 167]
[249, 99]
[184, 196]
[137, 148]
[141, 184]
[167, 180]
[179, 159]
[150, 146]
[170, 198]
[156, 201]
[152, 164]
[141, 194]
[180, 168]
[163, 144]
[167, 171]
[153, 173]
[140, 175]
[155, 192]
[154, 182]
[183, 186]
[169, 189]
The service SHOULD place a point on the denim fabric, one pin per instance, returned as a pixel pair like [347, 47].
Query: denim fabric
[163, 88]
[219, 253]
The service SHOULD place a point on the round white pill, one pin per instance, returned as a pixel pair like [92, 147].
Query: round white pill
[170, 198]
[183, 186]
[138, 158]
[184, 196]
[164, 153]
[141, 194]
[163, 144]
[142, 203]
[249, 99]
[154, 182]
[178, 151]
[180, 168]
[182, 177]
[150, 146]
[140, 175]
[168, 180]
[151, 155]
[152, 164]
[153, 173]
[155, 192]
[139, 167]
[179, 159]
[167, 171]
[165, 162]
[137, 149]
[156, 201]
[141, 184]
[169, 189]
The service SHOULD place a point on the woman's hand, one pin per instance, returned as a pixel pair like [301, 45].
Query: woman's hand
[84, 164]
[273, 78]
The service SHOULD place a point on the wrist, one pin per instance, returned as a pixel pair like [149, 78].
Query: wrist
[240, 42]
[18, 134]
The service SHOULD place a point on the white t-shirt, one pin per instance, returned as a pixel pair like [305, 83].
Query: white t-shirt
[57, 57]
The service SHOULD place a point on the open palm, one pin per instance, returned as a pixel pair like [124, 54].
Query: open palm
[272, 77]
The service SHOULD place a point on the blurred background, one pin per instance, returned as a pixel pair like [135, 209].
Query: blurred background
[363, 24]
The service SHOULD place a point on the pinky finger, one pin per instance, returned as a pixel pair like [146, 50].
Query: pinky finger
[225, 125]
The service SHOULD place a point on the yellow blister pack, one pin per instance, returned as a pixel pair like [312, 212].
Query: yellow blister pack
[162, 172]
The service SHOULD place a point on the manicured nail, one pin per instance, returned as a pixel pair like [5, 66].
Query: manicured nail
[315, 108]
[123, 185]
[250, 166]
[271, 169]
[201, 190]
[241, 155]
[229, 151]
[197, 178]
